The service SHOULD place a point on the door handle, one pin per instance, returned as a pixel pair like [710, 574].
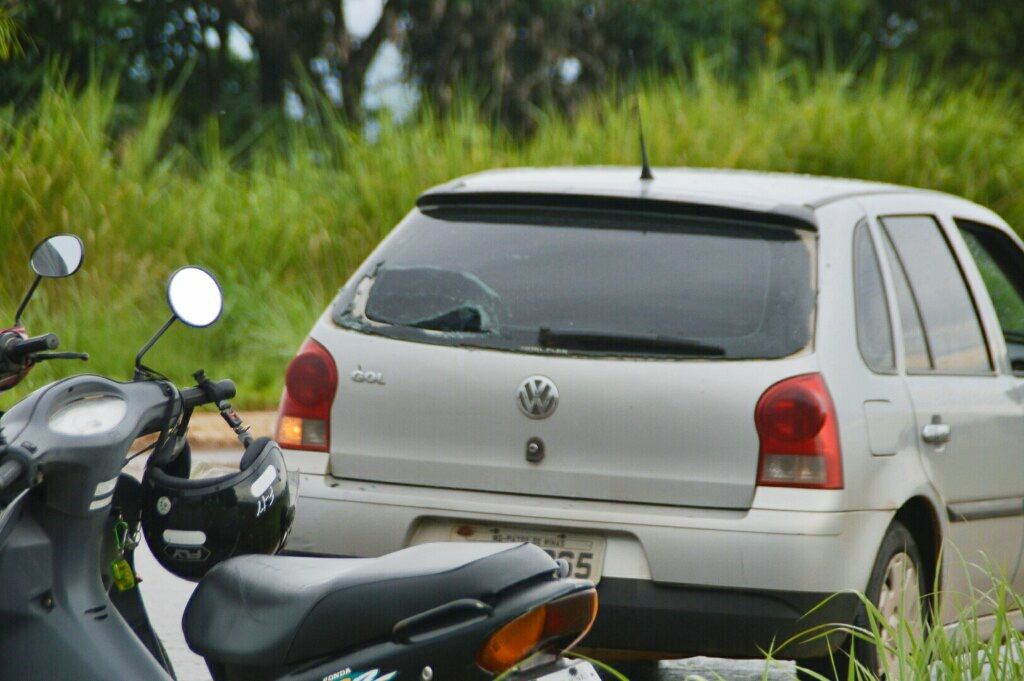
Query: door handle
[936, 432]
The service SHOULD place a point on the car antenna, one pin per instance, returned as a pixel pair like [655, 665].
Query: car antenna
[645, 167]
[645, 164]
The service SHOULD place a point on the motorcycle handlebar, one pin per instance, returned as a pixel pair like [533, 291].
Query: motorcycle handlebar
[18, 349]
[214, 392]
[10, 470]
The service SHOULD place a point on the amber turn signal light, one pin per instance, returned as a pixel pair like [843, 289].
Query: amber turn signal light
[569, 617]
[513, 642]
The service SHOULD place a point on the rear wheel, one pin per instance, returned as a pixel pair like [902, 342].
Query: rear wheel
[897, 588]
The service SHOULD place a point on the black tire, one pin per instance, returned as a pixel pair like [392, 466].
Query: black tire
[897, 540]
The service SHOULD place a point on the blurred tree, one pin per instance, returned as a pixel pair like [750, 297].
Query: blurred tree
[516, 57]
[666, 34]
[150, 44]
[979, 36]
[289, 36]
[238, 59]
[154, 43]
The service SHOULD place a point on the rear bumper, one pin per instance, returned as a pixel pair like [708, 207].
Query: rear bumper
[761, 548]
[675, 580]
[675, 621]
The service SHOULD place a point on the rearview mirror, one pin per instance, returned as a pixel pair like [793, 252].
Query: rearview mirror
[194, 296]
[56, 257]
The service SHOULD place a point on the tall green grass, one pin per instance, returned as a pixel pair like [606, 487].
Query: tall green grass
[982, 643]
[284, 219]
[11, 35]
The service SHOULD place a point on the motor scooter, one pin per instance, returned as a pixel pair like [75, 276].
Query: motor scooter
[69, 599]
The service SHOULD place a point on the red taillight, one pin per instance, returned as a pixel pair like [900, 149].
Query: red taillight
[796, 423]
[305, 413]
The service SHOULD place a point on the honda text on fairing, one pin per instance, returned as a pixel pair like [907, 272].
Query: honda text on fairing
[70, 519]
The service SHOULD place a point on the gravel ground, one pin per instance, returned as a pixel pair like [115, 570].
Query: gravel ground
[165, 596]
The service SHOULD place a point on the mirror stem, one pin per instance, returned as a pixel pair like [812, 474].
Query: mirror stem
[24, 301]
[140, 370]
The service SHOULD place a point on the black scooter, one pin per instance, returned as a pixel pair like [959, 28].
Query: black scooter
[435, 611]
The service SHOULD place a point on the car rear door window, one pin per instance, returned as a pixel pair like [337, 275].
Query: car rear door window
[1001, 264]
[915, 346]
[874, 330]
[952, 332]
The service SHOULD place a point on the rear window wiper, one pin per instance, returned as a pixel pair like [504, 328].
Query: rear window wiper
[603, 341]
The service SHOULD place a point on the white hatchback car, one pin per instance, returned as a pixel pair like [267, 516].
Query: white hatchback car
[721, 395]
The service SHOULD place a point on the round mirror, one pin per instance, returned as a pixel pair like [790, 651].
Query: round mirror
[58, 256]
[194, 296]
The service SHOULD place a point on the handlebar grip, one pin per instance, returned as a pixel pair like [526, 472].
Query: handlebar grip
[216, 392]
[10, 470]
[19, 349]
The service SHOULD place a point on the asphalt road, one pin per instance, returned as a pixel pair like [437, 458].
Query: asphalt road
[165, 596]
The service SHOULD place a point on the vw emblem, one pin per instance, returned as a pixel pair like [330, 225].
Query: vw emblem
[537, 397]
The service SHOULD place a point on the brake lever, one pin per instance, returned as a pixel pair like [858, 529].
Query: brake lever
[41, 356]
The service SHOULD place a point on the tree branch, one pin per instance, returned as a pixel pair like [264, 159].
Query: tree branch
[353, 71]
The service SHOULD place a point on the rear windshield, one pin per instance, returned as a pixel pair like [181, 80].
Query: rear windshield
[601, 283]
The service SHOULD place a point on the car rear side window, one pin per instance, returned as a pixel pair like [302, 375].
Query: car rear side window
[874, 330]
[915, 347]
[1001, 264]
[952, 332]
[589, 282]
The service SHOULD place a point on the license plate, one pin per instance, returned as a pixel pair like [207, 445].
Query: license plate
[584, 552]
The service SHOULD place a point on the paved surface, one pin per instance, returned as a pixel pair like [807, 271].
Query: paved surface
[165, 596]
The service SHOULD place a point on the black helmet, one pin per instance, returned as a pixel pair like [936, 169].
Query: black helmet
[191, 525]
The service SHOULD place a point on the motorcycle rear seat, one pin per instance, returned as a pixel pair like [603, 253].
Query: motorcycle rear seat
[276, 610]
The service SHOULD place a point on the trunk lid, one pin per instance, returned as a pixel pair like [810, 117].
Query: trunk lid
[657, 432]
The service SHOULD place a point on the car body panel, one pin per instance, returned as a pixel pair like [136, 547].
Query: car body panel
[664, 432]
[986, 414]
[870, 481]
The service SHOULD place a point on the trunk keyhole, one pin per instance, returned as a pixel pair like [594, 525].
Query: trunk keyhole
[535, 450]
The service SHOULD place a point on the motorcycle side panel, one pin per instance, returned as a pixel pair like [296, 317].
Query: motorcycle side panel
[55, 619]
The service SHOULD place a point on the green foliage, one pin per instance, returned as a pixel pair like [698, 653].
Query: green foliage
[284, 226]
[11, 35]
[965, 35]
[983, 642]
[1005, 298]
[149, 44]
[512, 55]
[508, 53]
[664, 34]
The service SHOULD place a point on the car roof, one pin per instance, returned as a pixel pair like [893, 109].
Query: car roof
[790, 193]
